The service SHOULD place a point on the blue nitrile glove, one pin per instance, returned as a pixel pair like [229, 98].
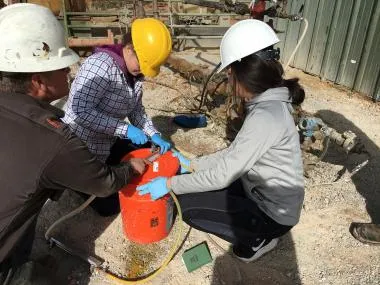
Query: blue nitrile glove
[136, 135]
[156, 188]
[164, 145]
[184, 162]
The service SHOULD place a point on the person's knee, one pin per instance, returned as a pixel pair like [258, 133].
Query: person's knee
[107, 206]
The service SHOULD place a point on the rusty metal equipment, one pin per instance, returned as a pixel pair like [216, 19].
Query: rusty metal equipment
[226, 7]
[91, 42]
[313, 128]
[190, 21]
[87, 29]
[186, 22]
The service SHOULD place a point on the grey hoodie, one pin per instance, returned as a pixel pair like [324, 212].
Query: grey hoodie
[266, 156]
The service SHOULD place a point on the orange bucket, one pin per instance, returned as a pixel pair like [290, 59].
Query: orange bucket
[146, 221]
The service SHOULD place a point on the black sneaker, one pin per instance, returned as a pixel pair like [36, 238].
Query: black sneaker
[249, 254]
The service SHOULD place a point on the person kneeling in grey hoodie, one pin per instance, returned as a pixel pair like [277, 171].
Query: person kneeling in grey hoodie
[250, 193]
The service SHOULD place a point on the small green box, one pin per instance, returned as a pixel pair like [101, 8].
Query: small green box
[196, 256]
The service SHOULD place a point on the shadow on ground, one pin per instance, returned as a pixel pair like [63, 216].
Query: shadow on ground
[169, 130]
[367, 180]
[78, 233]
[276, 267]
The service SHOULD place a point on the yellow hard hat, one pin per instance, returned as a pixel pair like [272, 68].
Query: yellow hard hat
[152, 43]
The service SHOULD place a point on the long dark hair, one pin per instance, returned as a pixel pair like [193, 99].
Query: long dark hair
[257, 75]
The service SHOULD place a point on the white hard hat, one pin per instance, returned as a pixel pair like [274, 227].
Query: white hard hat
[244, 38]
[32, 40]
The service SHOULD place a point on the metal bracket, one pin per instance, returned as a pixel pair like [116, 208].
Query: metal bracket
[95, 262]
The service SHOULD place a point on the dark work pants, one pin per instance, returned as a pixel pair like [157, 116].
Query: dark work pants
[109, 206]
[230, 215]
[20, 253]
[18, 269]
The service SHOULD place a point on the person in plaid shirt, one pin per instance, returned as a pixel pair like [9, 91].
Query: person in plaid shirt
[108, 88]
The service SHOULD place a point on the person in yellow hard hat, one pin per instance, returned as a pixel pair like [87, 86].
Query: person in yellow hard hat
[108, 88]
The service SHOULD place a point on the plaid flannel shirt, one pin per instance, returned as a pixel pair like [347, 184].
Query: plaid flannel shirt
[99, 101]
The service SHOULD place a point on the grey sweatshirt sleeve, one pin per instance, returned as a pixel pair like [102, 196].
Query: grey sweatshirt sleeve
[208, 161]
[259, 133]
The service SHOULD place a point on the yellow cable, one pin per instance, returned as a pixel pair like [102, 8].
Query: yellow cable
[169, 257]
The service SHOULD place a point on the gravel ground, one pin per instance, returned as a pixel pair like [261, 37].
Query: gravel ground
[319, 250]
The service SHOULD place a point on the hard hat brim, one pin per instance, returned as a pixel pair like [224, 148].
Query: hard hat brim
[30, 66]
[150, 72]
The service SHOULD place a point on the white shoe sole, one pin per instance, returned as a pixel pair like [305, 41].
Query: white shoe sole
[261, 251]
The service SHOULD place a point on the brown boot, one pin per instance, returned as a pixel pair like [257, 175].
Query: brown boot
[366, 233]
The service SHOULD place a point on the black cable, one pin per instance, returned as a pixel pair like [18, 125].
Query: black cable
[206, 83]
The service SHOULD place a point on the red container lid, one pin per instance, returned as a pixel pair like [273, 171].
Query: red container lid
[165, 165]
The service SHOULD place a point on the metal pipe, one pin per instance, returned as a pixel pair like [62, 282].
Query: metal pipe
[164, 1]
[65, 20]
[94, 13]
[139, 9]
[170, 17]
[98, 41]
[200, 15]
[197, 37]
[150, 14]
[199, 26]
[155, 9]
[209, 4]
[89, 26]
[96, 26]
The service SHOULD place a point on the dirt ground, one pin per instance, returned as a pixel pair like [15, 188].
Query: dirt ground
[319, 250]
